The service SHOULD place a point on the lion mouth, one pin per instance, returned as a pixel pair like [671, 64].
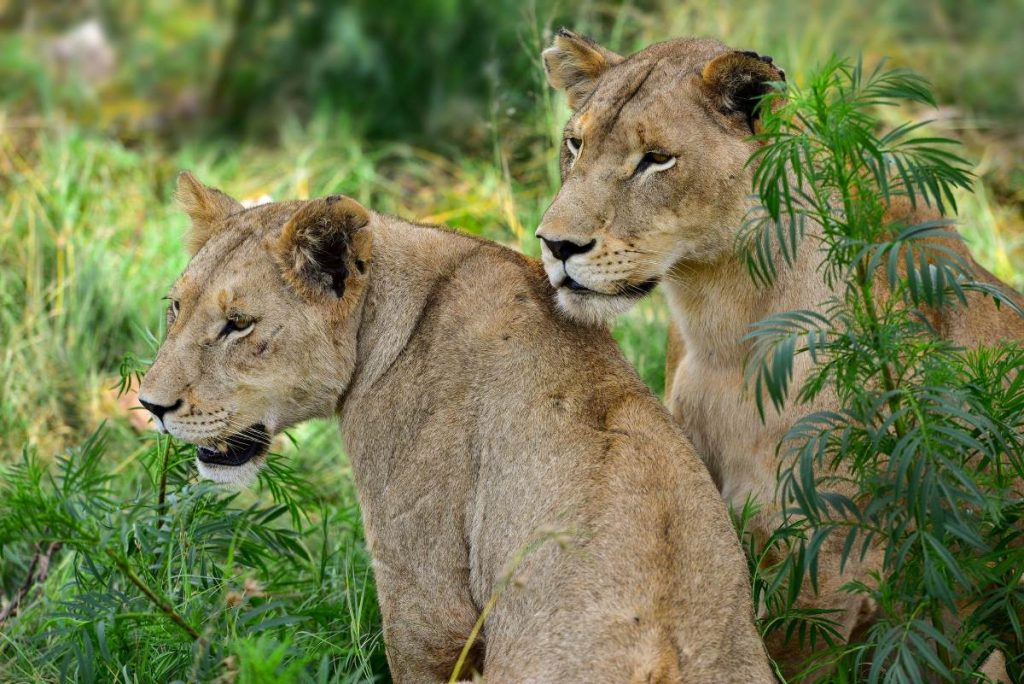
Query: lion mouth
[238, 449]
[574, 286]
[632, 290]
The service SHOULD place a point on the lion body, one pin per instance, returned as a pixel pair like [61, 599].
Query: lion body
[527, 426]
[503, 456]
[680, 227]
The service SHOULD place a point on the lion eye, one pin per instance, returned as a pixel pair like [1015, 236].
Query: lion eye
[574, 145]
[238, 324]
[172, 311]
[655, 161]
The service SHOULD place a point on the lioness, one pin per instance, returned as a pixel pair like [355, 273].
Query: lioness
[655, 188]
[478, 423]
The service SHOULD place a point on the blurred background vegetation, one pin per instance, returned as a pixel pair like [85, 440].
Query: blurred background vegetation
[435, 110]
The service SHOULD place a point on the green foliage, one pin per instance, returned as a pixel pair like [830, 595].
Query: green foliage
[923, 457]
[181, 581]
[776, 572]
[382, 66]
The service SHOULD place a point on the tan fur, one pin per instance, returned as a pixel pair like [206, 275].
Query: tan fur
[480, 426]
[573, 63]
[680, 226]
[204, 206]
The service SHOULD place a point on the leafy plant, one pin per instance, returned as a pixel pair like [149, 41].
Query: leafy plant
[184, 581]
[923, 456]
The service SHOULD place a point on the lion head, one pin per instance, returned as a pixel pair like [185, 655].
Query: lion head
[654, 165]
[261, 326]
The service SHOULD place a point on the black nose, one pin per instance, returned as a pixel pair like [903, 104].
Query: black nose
[563, 249]
[158, 410]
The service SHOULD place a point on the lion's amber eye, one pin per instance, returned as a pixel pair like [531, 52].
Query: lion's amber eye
[238, 323]
[574, 145]
[656, 161]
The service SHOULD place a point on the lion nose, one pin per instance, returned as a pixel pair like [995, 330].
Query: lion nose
[158, 410]
[563, 249]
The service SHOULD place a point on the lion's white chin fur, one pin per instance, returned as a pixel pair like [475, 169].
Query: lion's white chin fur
[591, 308]
[233, 477]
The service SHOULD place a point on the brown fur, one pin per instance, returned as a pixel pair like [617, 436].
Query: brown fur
[691, 98]
[573, 63]
[480, 427]
[205, 206]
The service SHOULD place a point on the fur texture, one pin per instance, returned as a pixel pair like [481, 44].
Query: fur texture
[487, 436]
[205, 206]
[574, 62]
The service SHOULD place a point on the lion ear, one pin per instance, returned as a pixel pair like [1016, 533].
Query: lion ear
[573, 63]
[323, 246]
[206, 206]
[736, 81]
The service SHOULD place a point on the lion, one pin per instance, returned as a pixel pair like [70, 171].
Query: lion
[655, 189]
[500, 451]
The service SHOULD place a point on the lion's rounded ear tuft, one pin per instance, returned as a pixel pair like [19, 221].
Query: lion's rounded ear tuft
[573, 63]
[322, 245]
[206, 206]
[736, 82]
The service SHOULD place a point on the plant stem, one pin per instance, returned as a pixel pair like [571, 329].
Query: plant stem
[888, 383]
[37, 572]
[159, 602]
[162, 496]
[503, 584]
[473, 635]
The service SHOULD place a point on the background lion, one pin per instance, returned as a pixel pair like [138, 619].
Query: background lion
[655, 188]
[478, 424]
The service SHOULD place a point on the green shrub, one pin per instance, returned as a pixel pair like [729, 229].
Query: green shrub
[177, 580]
[924, 458]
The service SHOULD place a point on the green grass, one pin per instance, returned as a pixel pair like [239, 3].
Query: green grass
[166, 578]
[90, 241]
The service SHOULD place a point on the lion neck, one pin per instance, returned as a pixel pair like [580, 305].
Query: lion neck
[714, 303]
[407, 262]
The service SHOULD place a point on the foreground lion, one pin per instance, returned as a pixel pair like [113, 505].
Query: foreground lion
[479, 424]
[655, 189]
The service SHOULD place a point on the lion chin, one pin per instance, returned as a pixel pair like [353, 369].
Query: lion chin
[233, 477]
[237, 462]
[592, 308]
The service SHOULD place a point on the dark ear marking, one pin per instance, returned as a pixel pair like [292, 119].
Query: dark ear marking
[737, 81]
[329, 255]
[318, 244]
[767, 59]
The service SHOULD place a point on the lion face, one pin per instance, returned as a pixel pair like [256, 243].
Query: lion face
[260, 326]
[653, 165]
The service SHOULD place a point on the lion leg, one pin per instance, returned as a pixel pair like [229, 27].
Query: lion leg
[416, 655]
[853, 614]
[426, 625]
